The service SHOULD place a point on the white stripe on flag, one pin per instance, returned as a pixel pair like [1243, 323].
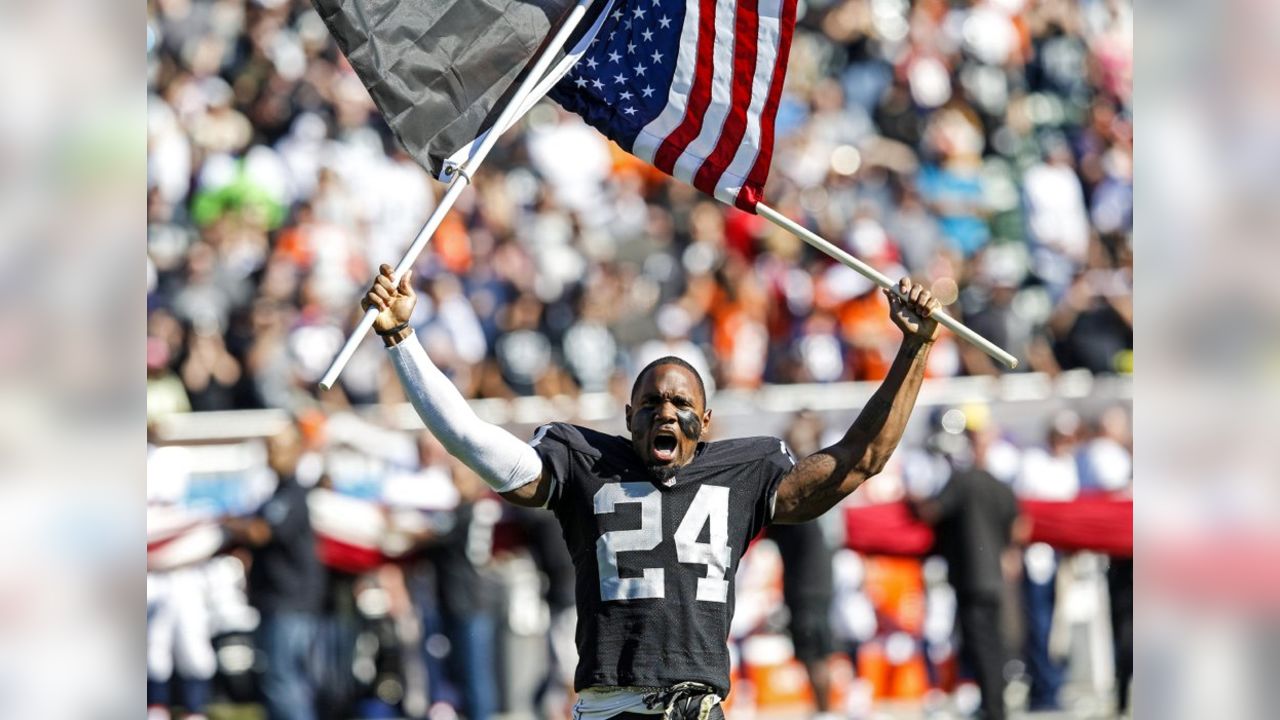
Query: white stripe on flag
[721, 93]
[767, 39]
[651, 136]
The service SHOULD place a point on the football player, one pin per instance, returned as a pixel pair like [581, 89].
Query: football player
[657, 522]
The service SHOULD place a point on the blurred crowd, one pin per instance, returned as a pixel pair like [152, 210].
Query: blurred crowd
[984, 147]
[424, 595]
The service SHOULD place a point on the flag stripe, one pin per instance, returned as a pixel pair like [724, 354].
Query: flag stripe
[723, 67]
[699, 94]
[650, 138]
[751, 193]
[730, 183]
[735, 125]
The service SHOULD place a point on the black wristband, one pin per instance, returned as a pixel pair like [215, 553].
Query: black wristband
[393, 331]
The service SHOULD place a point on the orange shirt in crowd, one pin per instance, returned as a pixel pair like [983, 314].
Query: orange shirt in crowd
[871, 334]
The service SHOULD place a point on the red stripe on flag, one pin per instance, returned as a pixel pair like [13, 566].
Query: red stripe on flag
[753, 189]
[699, 94]
[735, 124]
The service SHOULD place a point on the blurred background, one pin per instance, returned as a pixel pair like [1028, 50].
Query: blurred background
[985, 148]
[82, 100]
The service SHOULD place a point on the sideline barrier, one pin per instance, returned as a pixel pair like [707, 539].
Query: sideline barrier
[735, 410]
[1100, 523]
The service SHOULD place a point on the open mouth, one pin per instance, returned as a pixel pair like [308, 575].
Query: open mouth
[664, 447]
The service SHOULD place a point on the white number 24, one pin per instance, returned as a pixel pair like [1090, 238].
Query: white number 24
[710, 505]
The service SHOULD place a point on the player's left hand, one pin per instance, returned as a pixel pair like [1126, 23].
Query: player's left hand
[913, 315]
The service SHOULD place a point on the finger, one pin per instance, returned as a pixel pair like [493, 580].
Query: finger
[406, 283]
[372, 299]
[382, 292]
[384, 283]
[934, 306]
[904, 285]
[385, 269]
[923, 301]
[914, 296]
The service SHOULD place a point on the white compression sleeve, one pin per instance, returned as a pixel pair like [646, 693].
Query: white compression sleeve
[497, 456]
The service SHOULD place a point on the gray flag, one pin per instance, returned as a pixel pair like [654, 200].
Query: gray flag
[441, 70]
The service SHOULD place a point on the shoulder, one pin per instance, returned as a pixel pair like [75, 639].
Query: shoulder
[579, 439]
[743, 451]
[985, 482]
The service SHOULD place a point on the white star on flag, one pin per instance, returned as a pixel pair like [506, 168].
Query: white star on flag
[710, 124]
[580, 82]
[591, 63]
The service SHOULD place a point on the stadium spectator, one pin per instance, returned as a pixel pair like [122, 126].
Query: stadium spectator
[165, 391]
[807, 579]
[1001, 310]
[274, 188]
[210, 373]
[1057, 220]
[1106, 464]
[1093, 324]
[179, 643]
[1049, 472]
[1120, 595]
[286, 582]
[455, 553]
[179, 629]
[1106, 458]
[674, 325]
[975, 519]
[554, 696]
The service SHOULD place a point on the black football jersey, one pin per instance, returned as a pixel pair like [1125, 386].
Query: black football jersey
[655, 562]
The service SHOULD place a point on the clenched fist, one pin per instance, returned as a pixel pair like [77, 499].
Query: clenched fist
[911, 309]
[394, 303]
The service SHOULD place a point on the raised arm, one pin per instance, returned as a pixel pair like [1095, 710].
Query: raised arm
[508, 465]
[821, 480]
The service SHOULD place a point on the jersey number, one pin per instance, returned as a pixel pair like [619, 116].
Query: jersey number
[710, 505]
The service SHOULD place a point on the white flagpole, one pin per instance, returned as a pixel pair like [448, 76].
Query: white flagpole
[462, 178]
[882, 280]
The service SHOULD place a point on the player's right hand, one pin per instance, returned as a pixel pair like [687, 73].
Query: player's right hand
[394, 302]
[911, 308]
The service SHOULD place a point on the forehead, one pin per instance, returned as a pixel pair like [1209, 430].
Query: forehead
[669, 380]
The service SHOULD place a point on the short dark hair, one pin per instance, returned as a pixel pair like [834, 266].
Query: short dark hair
[671, 360]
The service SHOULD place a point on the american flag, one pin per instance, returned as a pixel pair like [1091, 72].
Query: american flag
[691, 86]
